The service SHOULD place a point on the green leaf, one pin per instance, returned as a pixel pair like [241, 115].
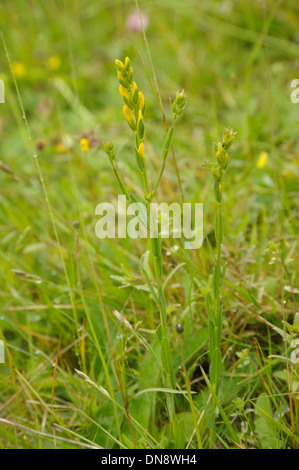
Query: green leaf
[216, 280]
[216, 366]
[167, 361]
[219, 228]
[264, 427]
[159, 333]
[210, 307]
[212, 337]
[217, 192]
[210, 165]
[167, 143]
[183, 429]
[156, 246]
[166, 355]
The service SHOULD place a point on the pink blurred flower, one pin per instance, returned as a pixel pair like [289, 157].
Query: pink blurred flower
[133, 22]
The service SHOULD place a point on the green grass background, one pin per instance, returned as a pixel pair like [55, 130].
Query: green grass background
[236, 61]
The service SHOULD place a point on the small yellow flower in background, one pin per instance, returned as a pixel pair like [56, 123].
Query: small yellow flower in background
[85, 145]
[54, 62]
[19, 69]
[61, 148]
[262, 160]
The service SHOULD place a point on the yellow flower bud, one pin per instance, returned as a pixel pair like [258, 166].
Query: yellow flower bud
[85, 145]
[121, 79]
[130, 75]
[129, 117]
[127, 63]
[134, 92]
[141, 151]
[214, 173]
[140, 125]
[119, 64]
[229, 137]
[225, 160]
[140, 102]
[140, 117]
[124, 94]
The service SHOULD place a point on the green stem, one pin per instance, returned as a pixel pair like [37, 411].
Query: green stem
[187, 383]
[166, 148]
[163, 319]
[215, 352]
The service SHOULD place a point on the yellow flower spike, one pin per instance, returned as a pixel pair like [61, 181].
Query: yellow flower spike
[141, 151]
[85, 145]
[262, 160]
[129, 117]
[140, 102]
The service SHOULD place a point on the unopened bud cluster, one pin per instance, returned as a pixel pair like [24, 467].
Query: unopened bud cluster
[223, 160]
[179, 103]
[108, 148]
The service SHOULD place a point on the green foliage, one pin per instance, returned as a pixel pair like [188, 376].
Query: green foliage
[69, 301]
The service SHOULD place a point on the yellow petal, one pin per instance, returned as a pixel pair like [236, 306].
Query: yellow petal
[262, 160]
[85, 145]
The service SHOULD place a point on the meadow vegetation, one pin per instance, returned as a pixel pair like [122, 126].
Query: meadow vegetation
[140, 343]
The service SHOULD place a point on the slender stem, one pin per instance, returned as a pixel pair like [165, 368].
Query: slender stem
[166, 148]
[187, 383]
[218, 257]
[120, 181]
[215, 333]
[163, 319]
